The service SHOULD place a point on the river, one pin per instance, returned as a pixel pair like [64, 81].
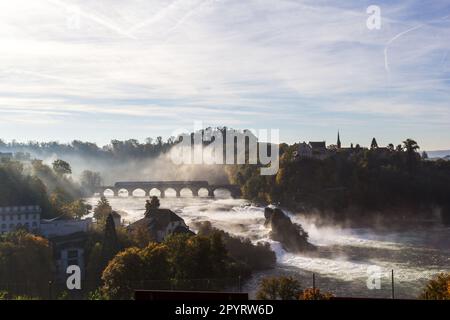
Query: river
[345, 258]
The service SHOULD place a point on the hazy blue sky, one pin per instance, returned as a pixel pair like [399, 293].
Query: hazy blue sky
[97, 70]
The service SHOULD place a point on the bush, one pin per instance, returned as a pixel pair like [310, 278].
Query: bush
[315, 294]
[437, 288]
[279, 288]
[255, 257]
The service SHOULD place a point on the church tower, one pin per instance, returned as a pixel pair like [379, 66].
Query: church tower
[338, 141]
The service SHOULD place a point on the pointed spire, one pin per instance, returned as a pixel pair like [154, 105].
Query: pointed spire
[338, 141]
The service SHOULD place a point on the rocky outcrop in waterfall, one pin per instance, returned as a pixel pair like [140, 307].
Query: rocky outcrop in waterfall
[290, 235]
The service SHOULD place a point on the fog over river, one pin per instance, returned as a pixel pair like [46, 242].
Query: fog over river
[344, 255]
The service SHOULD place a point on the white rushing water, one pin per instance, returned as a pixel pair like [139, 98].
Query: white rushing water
[344, 255]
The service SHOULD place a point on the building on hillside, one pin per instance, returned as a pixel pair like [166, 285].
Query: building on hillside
[304, 150]
[61, 226]
[5, 156]
[68, 250]
[67, 238]
[313, 149]
[319, 149]
[160, 223]
[20, 217]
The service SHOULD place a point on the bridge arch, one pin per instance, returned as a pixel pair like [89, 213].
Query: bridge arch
[170, 192]
[186, 192]
[155, 192]
[203, 192]
[139, 193]
[222, 192]
[122, 192]
[108, 192]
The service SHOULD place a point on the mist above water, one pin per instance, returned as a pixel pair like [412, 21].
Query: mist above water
[344, 254]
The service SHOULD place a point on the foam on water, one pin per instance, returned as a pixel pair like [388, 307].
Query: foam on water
[344, 254]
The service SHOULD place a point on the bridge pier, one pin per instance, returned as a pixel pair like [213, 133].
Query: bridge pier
[178, 192]
[163, 193]
[194, 192]
[210, 193]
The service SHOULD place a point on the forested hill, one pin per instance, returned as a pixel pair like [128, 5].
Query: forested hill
[50, 187]
[365, 180]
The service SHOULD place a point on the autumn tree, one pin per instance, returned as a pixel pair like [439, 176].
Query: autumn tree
[315, 294]
[26, 264]
[133, 268]
[437, 288]
[279, 288]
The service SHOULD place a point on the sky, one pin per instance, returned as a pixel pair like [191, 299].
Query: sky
[99, 70]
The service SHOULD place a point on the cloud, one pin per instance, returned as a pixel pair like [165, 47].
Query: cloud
[254, 63]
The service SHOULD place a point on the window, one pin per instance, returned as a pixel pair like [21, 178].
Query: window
[72, 257]
[19, 217]
[72, 254]
[26, 216]
[4, 226]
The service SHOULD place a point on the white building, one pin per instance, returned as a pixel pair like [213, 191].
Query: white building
[13, 218]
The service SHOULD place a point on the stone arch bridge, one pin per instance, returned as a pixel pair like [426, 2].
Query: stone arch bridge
[163, 186]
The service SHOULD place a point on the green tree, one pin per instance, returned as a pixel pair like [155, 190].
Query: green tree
[110, 245]
[61, 167]
[76, 209]
[90, 181]
[94, 266]
[154, 202]
[374, 144]
[102, 210]
[410, 146]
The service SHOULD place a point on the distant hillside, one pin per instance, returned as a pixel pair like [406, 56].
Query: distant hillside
[439, 154]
